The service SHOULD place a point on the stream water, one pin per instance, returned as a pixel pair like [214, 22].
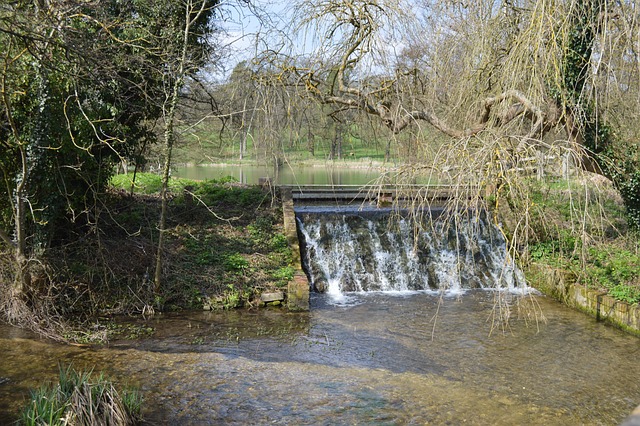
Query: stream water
[367, 358]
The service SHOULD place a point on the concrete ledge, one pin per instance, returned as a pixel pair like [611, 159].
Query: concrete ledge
[298, 288]
[561, 285]
[290, 226]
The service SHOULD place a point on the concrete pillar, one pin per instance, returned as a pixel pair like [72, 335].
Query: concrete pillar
[298, 289]
[298, 293]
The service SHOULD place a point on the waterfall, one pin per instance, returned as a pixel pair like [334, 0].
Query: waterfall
[347, 251]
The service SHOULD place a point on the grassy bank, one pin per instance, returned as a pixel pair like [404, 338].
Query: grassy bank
[581, 228]
[224, 247]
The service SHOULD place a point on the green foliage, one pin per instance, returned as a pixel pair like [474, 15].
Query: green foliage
[235, 262]
[231, 298]
[82, 94]
[279, 243]
[628, 184]
[625, 293]
[45, 408]
[611, 266]
[605, 266]
[81, 399]
[544, 250]
[604, 259]
[284, 275]
[261, 227]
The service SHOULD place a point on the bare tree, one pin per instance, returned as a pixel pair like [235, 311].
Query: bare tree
[180, 62]
[494, 84]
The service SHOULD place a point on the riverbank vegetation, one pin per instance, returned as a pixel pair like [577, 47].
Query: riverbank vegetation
[477, 94]
[583, 229]
[225, 246]
[80, 398]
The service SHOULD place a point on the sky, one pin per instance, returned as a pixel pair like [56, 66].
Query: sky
[270, 20]
[244, 24]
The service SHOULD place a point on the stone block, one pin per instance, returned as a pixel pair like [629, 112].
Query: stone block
[298, 293]
[277, 296]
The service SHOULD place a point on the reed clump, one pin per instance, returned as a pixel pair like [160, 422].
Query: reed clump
[81, 399]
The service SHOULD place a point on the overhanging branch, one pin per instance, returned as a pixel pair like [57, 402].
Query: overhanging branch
[521, 106]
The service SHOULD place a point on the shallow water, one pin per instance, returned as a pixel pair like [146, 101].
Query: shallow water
[410, 358]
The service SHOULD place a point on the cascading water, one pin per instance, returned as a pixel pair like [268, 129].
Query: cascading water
[353, 250]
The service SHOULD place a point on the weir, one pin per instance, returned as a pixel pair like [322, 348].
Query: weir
[350, 242]
[348, 249]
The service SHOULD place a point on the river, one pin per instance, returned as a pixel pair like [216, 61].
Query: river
[375, 358]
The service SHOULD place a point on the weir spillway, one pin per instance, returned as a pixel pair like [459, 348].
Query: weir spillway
[364, 239]
[346, 249]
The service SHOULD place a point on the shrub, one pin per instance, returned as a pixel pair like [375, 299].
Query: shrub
[283, 275]
[235, 263]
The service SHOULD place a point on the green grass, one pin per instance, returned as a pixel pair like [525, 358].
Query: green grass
[590, 239]
[150, 183]
[80, 398]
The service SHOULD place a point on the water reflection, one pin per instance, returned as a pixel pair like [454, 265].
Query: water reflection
[383, 359]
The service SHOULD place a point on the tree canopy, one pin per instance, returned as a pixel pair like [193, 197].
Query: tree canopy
[82, 85]
[496, 82]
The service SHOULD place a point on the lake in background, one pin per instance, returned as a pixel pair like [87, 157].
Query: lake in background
[329, 174]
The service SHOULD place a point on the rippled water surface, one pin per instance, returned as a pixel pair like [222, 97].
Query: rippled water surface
[370, 359]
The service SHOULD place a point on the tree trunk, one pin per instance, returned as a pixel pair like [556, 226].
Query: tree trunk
[387, 151]
[22, 278]
[245, 131]
[166, 172]
[310, 142]
[169, 135]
